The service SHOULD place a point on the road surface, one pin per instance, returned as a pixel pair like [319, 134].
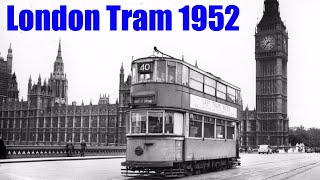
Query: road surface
[254, 166]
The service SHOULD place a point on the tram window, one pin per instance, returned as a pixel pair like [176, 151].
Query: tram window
[179, 73]
[208, 127]
[155, 122]
[168, 127]
[196, 80]
[145, 77]
[195, 126]
[178, 124]
[221, 90]
[196, 85]
[210, 86]
[171, 72]
[231, 94]
[138, 122]
[230, 130]
[238, 98]
[134, 73]
[220, 129]
[196, 76]
[161, 71]
[185, 75]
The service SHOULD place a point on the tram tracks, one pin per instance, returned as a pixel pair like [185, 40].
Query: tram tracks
[273, 162]
[285, 169]
[294, 172]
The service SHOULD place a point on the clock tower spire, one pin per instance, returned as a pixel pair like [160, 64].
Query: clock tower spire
[271, 54]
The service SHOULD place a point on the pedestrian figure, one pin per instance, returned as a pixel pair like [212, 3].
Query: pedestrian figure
[70, 148]
[3, 150]
[83, 147]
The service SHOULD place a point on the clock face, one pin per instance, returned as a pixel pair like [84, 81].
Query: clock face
[267, 43]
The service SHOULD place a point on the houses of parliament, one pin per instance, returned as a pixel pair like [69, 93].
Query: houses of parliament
[45, 118]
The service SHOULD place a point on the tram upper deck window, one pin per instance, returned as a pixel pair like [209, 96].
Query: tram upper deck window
[209, 86]
[196, 80]
[185, 75]
[138, 122]
[145, 71]
[195, 126]
[155, 122]
[238, 98]
[161, 71]
[179, 73]
[221, 90]
[231, 94]
[171, 72]
[134, 73]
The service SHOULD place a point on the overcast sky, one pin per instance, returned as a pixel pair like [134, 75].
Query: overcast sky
[93, 59]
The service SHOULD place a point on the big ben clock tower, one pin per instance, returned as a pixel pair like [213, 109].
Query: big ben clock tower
[271, 54]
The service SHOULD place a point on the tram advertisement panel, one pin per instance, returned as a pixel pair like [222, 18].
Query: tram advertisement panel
[200, 103]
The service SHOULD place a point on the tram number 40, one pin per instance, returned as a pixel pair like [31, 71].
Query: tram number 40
[145, 67]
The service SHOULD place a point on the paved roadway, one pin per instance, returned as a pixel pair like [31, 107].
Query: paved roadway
[293, 166]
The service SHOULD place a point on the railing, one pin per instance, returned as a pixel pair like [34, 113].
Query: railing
[61, 151]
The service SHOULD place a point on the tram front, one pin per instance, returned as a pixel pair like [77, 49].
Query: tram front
[155, 137]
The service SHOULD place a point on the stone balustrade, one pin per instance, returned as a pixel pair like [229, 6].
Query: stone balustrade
[61, 151]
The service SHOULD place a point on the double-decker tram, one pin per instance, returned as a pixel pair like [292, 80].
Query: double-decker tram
[183, 120]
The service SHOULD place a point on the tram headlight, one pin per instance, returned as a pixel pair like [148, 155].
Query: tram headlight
[138, 151]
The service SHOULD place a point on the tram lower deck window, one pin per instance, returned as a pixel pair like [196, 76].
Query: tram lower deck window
[155, 122]
[168, 123]
[230, 130]
[195, 126]
[208, 127]
[138, 122]
[220, 129]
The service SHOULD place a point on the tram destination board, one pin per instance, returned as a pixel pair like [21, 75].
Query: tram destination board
[145, 100]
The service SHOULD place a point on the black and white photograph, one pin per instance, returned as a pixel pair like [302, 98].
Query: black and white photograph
[159, 89]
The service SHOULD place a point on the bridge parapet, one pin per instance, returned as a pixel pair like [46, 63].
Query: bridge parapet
[61, 151]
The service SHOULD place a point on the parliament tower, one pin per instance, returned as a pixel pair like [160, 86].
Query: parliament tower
[58, 80]
[271, 54]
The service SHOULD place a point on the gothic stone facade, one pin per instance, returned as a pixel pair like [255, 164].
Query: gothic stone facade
[47, 119]
[8, 83]
[269, 123]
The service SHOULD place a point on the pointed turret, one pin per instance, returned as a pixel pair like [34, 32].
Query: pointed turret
[121, 69]
[121, 82]
[271, 14]
[59, 50]
[39, 80]
[10, 49]
[9, 59]
[58, 64]
[29, 83]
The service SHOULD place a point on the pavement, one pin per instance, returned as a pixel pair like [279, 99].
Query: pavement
[23, 160]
